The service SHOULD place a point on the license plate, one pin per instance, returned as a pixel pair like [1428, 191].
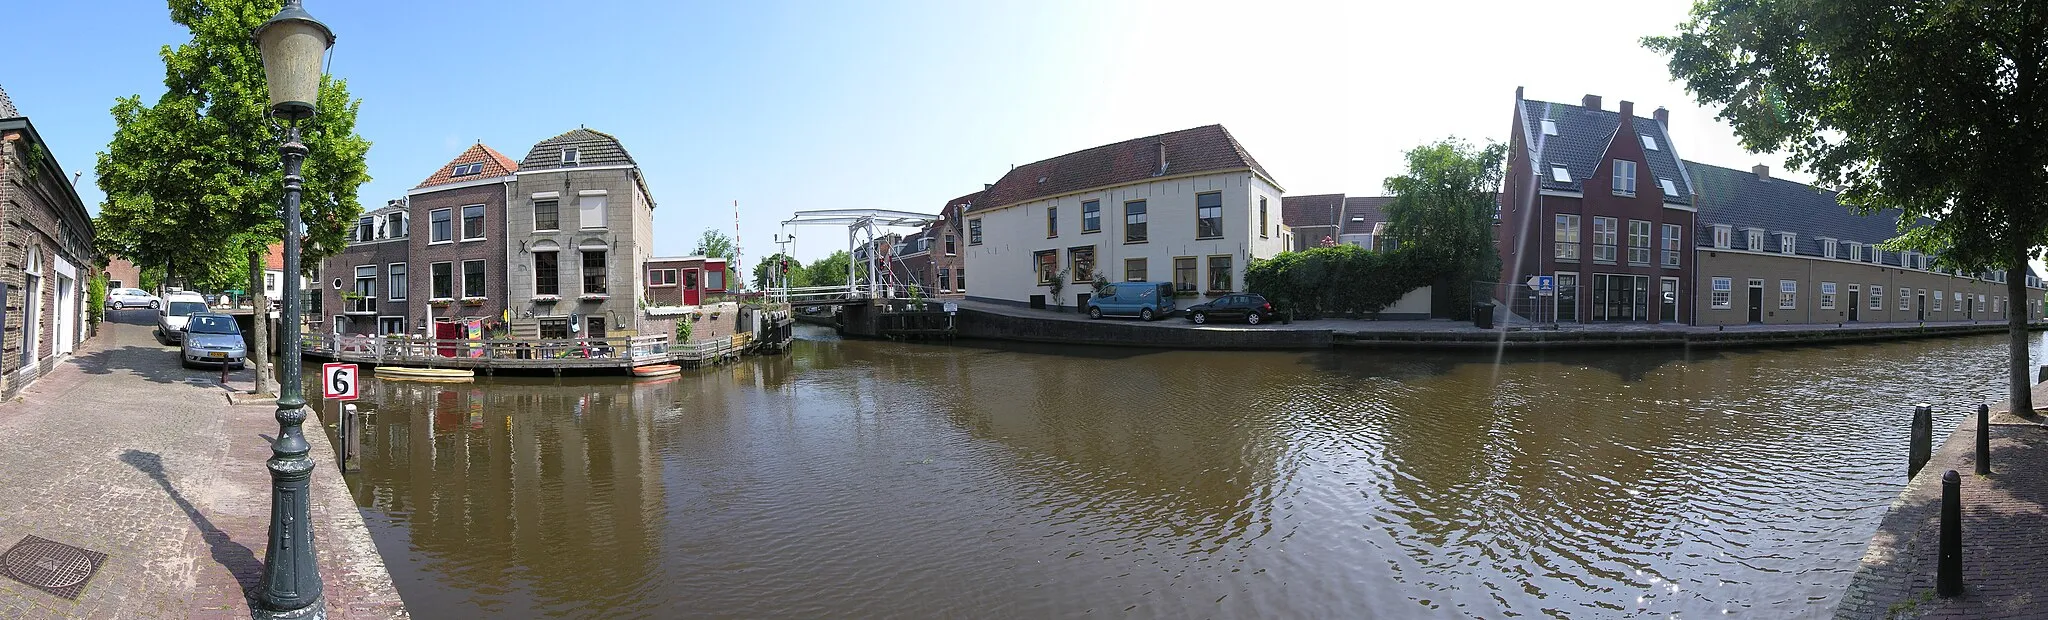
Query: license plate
[217, 354]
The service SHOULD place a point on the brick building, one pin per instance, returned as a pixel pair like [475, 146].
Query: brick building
[122, 274]
[367, 289]
[47, 255]
[458, 241]
[685, 280]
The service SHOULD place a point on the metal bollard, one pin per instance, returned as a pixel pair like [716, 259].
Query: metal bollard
[1983, 440]
[2041, 376]
[1921, 446]
[349, 443]
[1948, 580]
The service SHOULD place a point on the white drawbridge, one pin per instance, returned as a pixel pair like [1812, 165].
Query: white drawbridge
[872, 278]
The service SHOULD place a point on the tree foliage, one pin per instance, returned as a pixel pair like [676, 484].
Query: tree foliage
[1339, 280]
[764, 272]
[194, 182]
[830, 270]
[1933, 108]
[714, 243]
[1443, 213]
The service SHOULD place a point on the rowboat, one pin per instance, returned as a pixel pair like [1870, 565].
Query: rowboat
[443, 375]
[656, 370]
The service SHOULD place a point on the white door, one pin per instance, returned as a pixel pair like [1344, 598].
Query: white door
[62, 337]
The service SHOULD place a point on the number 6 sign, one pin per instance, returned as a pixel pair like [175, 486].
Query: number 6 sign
[338, 381]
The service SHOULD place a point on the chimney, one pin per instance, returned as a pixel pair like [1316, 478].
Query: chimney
[1162, 159]
[1628, 109]
[1662, 115]
[1763, 172]
[1591, 102]
[989, 186]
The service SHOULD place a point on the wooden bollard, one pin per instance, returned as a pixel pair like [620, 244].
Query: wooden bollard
[1948, 580]
[1983, 439]
[1921, 446]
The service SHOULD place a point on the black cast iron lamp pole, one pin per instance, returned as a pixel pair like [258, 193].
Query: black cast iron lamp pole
[293, 46]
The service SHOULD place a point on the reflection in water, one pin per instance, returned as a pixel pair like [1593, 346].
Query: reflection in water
[854, 478]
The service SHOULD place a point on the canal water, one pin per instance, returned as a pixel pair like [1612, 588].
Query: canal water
[877, 479]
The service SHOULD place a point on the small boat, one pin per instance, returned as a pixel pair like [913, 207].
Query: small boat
[447, 375]
[657, 370]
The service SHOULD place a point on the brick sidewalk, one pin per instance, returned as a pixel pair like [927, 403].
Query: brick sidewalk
[120, 451]
[2005, 532]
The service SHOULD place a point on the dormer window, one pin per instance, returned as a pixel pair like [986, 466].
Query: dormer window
[569, 156]
[1827, 247]
[1559, 174]
[1549, 127]
[1670, 189]
[1787, 242]
[1723, 236]
[1624, 177]
[1756, 240]
[1649, 142]
[463, 170]
[1855, 252]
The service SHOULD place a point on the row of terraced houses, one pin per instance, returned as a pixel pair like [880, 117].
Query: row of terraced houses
[556, 245]
[1596, 198]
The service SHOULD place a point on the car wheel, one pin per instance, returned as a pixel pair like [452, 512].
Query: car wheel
[1094, 313]
[152, 305]
[1199, 318]
[1145, 314]
[118, 306]
[1252, 318]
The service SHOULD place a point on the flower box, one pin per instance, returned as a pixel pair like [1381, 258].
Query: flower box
[472, 301]
[438, 303]
[594, 297]
[547, 299]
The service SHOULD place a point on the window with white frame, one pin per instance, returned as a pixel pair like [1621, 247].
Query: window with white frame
[1672, 234]
[1787, 242]
[1605, 235]
[1670, 189]
[1939, 301]
[394, 274]
[1980, 302]
[1624, 177]
[1549, 127]
[1827, 247]
[1638, 242]
[1876, 255]
[1723, 294]
[472, 222]
[1723, 236]
[1958, 301]
[592, 210]
[1905, 299]
[1876, 297]
[1827, 295]
[1567, 236]
[473, 279]
[1788, 294]
[441, 226]
[1756, 240]
[1560, 174]
[1649, 142]
[1855, 252]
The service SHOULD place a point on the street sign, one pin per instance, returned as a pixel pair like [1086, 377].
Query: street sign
[338, 381]
[1541, 283]
[952, 307]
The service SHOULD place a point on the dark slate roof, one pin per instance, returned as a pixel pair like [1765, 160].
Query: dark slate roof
[1582, 138]
[495, 164]
[593, 148]
[1202, 149]
[1362, 212]
[1311, 210]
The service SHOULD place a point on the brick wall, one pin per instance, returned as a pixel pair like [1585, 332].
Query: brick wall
[491, 249]
[38, 215]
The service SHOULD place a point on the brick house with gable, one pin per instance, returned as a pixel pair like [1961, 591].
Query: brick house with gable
[47, 254]
[458, 238]
[1597, 199]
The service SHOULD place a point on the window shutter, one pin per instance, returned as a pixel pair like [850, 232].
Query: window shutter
[593, 211]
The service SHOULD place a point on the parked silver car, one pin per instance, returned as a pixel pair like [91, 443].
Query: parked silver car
[170, 321]
[212, 338]
[125, 298]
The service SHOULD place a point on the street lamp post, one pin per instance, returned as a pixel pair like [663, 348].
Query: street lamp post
[293, 45]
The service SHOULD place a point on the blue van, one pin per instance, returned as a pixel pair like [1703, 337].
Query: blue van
[1145, 300]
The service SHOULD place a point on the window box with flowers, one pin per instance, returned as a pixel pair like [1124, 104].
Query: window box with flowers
[594, 297]
[547, 299]
[440, 302]
[473, 301]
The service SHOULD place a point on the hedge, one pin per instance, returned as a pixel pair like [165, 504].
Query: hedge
[1344, 280]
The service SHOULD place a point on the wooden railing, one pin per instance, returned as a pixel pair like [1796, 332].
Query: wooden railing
[392, 349]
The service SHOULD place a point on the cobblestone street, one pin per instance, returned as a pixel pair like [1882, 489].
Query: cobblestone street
[123, 452]
[2005, 554]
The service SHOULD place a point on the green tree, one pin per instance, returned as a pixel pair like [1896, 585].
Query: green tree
[1934, 108]
[714, 243]
[1443, 213]
[194, 182]
[764, 272]
[830, 270]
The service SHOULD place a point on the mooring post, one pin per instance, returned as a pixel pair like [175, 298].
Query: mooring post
[1983, 439]
[2041, 375]
[1922, 444]
[1949, 577]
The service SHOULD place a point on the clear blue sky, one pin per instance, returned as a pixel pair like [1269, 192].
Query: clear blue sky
[786, 106]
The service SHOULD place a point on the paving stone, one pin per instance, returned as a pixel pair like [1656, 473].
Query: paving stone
[120, 452]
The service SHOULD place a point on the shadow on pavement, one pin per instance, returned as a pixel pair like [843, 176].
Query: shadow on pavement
[236, 557]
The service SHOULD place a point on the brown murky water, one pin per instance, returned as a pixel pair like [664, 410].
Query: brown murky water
[869, 479]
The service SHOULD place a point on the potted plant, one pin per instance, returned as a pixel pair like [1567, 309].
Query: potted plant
[1054, 288]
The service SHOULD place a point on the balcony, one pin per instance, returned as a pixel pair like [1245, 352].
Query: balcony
[364, 304]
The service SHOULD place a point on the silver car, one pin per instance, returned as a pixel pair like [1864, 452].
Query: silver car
[170, 321]
[212, 338]
[125, 298]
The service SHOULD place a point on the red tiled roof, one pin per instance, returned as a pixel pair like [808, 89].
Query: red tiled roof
[274, 260]
[496, 164]
[1202, 149]
[1311, 210]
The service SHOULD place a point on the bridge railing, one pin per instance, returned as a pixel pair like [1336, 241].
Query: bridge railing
[388, 349]
[840, 292]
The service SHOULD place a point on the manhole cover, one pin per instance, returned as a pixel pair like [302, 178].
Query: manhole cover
[52, 567]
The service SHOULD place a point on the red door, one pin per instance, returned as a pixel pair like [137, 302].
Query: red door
[690, 293]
